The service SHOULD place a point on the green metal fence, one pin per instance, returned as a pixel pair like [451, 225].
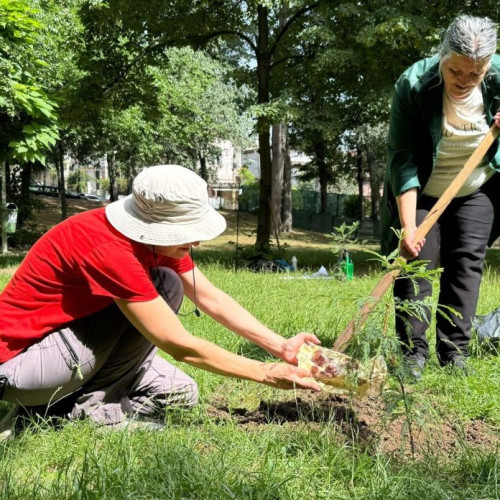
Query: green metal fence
[305, 209]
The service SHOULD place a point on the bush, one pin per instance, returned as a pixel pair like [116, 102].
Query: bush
[350, 207]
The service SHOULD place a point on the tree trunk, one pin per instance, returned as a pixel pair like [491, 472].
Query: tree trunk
[278, 162]
[203, 167]
[3, 200]
[60, 180]
[24, 206]
[359, 175]
[113, 186]
[264, 226]
[374, 185]
[281, 161]
[286, 208]
[320, 157]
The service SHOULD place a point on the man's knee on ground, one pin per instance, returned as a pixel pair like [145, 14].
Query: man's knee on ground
[184, 394]
[179, 392]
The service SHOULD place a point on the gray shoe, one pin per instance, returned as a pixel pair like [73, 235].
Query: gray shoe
[456, 361]
[415, 365]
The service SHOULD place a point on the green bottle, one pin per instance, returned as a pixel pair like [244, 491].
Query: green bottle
[348, 266]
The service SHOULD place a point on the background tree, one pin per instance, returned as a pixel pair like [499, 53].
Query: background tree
[27, 112]
[371, 148]
[187, 98]
[60, 43]
[77, 181]
[198, 106]
[244, 31]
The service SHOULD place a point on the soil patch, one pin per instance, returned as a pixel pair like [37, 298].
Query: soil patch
[365, 422]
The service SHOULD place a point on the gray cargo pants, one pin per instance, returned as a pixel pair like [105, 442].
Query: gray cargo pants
[101, 367]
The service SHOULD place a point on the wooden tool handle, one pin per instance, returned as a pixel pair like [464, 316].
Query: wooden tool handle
[444, 200]
[362, 315]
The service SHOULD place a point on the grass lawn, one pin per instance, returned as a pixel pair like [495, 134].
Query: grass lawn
[438, 439]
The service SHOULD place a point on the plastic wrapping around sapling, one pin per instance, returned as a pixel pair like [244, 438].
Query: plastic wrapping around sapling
[338, 373]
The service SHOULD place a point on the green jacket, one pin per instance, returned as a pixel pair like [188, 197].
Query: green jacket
[415, 132]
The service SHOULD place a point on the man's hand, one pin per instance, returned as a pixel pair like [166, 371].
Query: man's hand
[283, 376]
[291, 346]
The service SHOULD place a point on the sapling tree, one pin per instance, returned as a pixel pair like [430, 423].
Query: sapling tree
[378, 338]
[344, 234]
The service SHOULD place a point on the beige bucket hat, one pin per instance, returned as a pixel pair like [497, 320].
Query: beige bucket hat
[168, 206]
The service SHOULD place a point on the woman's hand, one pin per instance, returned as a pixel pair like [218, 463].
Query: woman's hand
[284, 376]
[407, 208]
[497, 118]
[291, 347]
[411, 248]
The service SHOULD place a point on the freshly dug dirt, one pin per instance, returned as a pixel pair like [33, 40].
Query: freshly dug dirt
[364, 421]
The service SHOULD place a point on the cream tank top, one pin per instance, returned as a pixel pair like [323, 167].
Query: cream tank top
[464, 127]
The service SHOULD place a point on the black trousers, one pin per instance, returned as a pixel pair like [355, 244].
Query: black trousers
[457, 243]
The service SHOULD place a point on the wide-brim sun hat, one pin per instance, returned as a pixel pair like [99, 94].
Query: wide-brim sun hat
[168, 206]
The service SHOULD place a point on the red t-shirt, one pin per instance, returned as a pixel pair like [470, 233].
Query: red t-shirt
[76, 269]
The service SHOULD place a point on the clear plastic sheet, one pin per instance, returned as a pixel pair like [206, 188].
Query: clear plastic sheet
[338, 373]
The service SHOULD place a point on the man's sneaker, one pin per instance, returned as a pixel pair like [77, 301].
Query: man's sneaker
[415, 365]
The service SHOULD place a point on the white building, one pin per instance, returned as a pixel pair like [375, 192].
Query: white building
[251, 159]
[223, 189]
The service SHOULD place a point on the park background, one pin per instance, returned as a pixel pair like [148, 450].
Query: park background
[274, 97]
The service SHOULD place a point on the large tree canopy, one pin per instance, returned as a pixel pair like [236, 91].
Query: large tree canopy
[148, 81]
[123, 35]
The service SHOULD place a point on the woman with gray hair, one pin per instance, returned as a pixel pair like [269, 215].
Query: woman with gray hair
[442, 108]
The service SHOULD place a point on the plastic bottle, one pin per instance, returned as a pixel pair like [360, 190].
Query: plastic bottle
[349, 267]
[294, 263]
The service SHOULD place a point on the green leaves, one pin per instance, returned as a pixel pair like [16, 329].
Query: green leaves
[35, 140]
[197, 104]
[29, 113]
[40, 133]
[17, 22]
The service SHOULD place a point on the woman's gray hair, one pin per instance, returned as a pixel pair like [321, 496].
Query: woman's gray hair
[472, 37]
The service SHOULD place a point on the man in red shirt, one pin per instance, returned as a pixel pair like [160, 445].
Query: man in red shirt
[84, 314]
